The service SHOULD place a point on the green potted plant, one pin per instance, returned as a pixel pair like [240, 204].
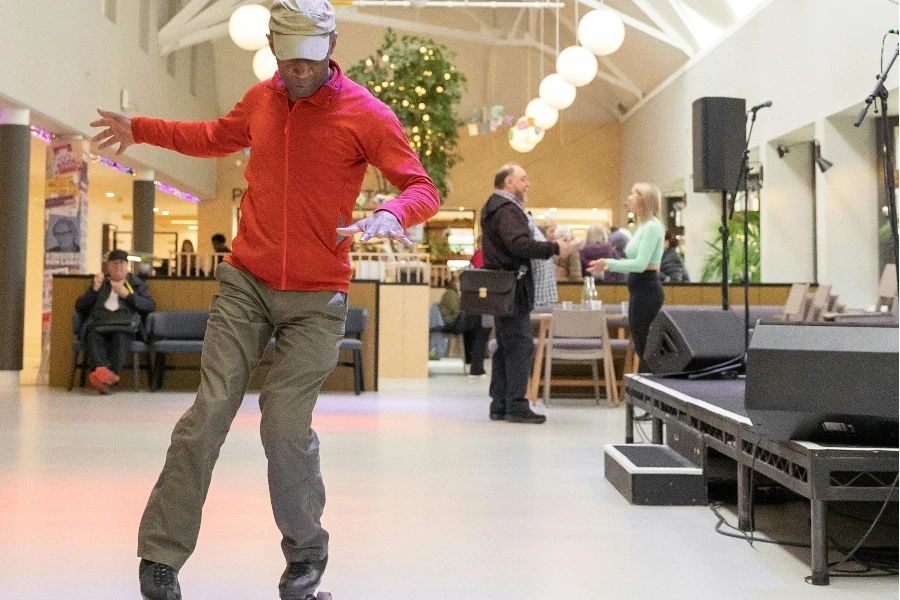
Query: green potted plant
[712, 267]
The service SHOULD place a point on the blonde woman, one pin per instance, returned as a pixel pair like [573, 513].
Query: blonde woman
[643, 256]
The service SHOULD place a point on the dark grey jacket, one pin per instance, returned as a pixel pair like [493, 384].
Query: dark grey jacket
[671, 268]
[507, 244]
[140, 301]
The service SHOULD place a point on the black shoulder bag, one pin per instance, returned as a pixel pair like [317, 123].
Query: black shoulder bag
[489, 292]
[123, 320]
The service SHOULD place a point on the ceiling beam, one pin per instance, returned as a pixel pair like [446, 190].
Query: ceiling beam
[620, 79]
[665, 25]
[642, 27]
[181, 18]
[197, 37]
[489, 38]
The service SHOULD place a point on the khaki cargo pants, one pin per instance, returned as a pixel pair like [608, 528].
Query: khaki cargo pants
[244, 314]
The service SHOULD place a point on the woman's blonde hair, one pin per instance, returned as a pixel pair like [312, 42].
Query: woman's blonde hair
[650, 200]
[596, 234]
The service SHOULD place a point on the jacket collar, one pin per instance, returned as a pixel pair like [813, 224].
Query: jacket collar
[324, 94]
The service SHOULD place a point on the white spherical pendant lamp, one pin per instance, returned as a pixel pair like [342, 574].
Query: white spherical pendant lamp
[264, 64]
[543, 116]
[577, 65]
[526, 132]
[601, 31]
[520, 146]
[556, 92]
[248, 26]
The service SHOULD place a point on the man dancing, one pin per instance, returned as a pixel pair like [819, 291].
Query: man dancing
[312, 132]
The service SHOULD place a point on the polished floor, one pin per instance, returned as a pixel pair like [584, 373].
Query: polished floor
[427, 498]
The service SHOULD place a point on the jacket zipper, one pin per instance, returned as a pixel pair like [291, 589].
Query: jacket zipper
[287, 140]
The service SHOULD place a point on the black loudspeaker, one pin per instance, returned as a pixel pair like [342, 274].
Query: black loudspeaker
[720, 131]
[824, 382]
[686, 339]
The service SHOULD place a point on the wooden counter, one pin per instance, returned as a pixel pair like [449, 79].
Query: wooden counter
[196, 294]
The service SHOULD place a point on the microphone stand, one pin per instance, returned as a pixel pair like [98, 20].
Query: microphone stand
[745, 176]
[881, 92]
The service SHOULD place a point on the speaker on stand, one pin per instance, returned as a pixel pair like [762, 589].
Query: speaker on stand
[719, 134]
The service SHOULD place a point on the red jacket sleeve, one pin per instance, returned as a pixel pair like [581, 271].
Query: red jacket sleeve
[205, 139]
[387, 149]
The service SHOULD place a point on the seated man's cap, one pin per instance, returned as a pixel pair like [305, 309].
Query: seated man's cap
[301, 28]
[117, 255]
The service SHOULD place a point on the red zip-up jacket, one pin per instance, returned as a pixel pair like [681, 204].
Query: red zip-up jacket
[305, 172]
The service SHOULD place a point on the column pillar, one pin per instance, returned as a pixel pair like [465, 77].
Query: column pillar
[15, 155]
[144, 198]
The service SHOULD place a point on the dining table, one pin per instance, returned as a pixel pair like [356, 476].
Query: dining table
[616, 319]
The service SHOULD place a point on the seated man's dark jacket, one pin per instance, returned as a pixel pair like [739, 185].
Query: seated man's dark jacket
[139, 301]
[508, 244]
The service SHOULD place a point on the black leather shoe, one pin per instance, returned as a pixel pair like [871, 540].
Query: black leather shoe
[520, 412]
[498, 416]
[300, 579]
[158, 581]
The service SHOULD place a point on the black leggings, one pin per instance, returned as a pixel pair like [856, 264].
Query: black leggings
[646, 299]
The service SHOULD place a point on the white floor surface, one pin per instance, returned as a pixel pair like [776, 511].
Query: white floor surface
[427, 498]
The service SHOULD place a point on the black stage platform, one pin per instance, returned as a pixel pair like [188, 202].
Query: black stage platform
[713, 412]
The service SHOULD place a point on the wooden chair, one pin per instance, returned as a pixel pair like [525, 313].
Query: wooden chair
[795, 307]
[581, 336]
[818, 306]
[887, 289]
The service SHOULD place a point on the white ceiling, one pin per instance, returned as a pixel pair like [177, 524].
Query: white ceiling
[500, 50]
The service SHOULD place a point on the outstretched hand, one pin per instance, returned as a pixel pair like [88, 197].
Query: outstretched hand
[382, 224]
[595, 267]
[118, 131]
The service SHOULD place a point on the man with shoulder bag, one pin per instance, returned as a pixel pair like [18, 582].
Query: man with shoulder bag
[114, 308]
[506, 289]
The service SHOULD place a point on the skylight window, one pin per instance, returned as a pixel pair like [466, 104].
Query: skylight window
[700, 27]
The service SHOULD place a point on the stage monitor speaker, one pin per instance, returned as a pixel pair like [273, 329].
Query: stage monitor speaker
[687, 339]
[720, 130]
[824, 382]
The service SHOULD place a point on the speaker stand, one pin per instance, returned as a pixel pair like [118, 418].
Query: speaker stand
[723, 230]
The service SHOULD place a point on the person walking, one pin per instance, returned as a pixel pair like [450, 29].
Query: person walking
[311, 131]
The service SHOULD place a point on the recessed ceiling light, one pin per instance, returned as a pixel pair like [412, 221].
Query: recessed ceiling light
[165, 213]
[552, 210]
[155, 209]
[110, 195]
[193, 227]
[596, 210]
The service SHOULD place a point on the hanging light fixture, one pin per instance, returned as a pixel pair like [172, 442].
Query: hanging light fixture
[248, 26]
[520, 146]
[601, 31]
[264, 64]
[527, 132]
[544, 116]
[577, 65]
[556, 92]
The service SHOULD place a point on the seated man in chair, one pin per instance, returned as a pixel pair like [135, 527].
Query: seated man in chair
[113, 307]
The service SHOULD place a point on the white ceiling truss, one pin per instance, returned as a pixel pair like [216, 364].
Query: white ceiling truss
[502, 23]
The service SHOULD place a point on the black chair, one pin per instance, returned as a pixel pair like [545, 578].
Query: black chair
[80, 359]
[175, 332]
[354, 327]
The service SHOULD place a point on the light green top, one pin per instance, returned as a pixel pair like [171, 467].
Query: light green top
[645, 248]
